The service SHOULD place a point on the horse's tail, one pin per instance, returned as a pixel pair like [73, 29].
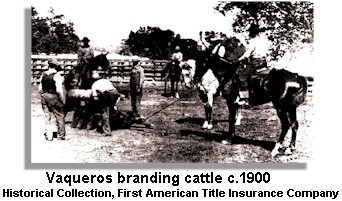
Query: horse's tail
[300, 95]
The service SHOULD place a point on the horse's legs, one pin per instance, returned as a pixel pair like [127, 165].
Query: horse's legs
[238, 115]
[172, 87]
[165, 85]
[176, 92]
[208, 124]
[285, 125]
[232, 108]
[294, 127]
[207, 99]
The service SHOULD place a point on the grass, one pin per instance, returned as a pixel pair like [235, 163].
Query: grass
[177, 136]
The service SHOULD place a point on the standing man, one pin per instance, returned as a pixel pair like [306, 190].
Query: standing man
[136, 88]
[53, 97]
[106, 97]
[175, 70]
[177, 55]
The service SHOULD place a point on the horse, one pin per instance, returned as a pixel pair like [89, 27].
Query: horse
[78, 86]
[188, 71]
[211, 76]
[172, 71]
[286, 91]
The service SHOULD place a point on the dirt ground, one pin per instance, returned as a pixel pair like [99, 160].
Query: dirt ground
[177, 136]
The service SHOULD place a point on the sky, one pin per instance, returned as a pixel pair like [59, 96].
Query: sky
[106, 22]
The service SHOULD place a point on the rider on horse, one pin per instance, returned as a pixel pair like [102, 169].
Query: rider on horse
[85, 53]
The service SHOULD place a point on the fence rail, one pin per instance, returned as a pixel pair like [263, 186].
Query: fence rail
[119, 69]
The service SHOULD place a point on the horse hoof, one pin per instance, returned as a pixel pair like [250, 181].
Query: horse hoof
[205, 124]
[238, 120]
[289, 150]
[210, 126]
[274, 153]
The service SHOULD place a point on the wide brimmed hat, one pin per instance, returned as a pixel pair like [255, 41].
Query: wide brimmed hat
[54, 61]
[55, 64]
[85, 39]
[135, 59]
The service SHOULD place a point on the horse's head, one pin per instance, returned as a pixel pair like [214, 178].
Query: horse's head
[202, 63]
[100, 61]
[188, 72]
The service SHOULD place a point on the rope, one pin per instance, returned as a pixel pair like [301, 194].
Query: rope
[186, 95]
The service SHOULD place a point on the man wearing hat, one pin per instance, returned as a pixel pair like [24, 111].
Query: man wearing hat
[106, 98]
[53, 97]
[136, 88]
[177, 55]
[85, 52]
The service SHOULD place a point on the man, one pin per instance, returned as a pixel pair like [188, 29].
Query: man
[177, 55]
[173, 71]
[53, 97]
[85, 52]
[136, 88]
[106, 97]
[256, 52]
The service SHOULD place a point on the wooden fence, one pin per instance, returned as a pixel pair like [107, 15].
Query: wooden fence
[119, 69]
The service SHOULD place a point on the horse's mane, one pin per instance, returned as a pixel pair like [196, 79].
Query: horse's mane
[221, 68]
[99, 60]
[84, 72]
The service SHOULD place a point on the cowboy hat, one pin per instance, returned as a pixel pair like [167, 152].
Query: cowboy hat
[54, 61]
[135, 59]
[85, 39]
[55, 64]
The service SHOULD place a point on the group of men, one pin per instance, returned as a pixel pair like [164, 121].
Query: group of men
[53, 95]
[104, 96]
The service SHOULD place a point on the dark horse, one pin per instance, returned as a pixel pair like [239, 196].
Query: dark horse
[286, 90]
[173, 72]
[80, 77]
[78, 84]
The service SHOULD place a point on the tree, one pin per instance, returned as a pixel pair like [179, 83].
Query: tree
[52, 35]
[151, 42]
[286, 24]
[123, 48]
[156, 43]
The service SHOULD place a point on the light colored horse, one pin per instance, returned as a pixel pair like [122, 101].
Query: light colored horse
[207, 87]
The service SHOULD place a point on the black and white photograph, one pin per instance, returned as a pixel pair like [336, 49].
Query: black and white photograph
[172, 82]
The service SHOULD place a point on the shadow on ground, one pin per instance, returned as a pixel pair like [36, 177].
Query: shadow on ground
[218, 137]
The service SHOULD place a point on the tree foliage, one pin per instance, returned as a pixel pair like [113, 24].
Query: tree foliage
[155, 43]
[52, 35]
[286, 24]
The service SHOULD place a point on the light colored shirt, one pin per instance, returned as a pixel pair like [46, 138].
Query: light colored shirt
[101, 86]
[85, 53]
[59, 82]
[177, 56]
[257, 47]
[137, 77]
[58, 78]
